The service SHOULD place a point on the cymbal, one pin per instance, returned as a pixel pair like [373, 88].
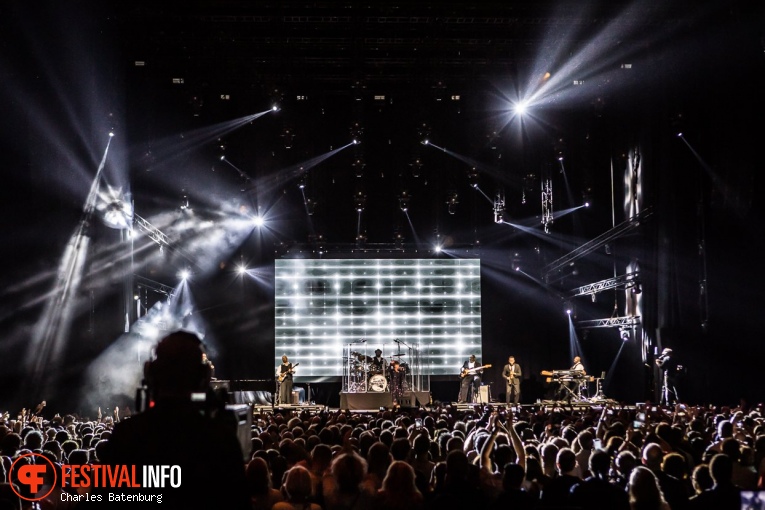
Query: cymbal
[396, 355]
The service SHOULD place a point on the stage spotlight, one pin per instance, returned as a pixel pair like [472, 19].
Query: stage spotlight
[499, 207]
[118, 213]
[403, 201]
[416, 166]
[275, 108]
[568, 307]
[677, 121]
[520, 107]
[111, 134]
[241, 269]
[437, 249]
[473, 178]
[425, 142]
[360, 200]
[358, 165]
[451, 202]
[398, 239]
[624, 334]
[184, 274]
[258, 221]
[288, 137]
[516, 262]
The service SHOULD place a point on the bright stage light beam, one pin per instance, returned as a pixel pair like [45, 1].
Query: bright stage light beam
[52, 330]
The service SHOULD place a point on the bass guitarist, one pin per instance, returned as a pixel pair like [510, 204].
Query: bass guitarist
[471, 380]
[286, 369]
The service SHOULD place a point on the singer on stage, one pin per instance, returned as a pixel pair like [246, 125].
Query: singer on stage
[671, 370]
[397, 375]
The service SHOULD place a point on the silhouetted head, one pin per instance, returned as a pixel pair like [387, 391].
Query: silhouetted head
[177, 369]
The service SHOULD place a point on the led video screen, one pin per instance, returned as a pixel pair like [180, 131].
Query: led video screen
[424, 310]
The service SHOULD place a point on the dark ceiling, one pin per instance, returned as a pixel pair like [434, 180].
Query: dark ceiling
[176, 81]
[392, 75]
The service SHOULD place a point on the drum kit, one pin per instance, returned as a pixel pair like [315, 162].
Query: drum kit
[366, 375]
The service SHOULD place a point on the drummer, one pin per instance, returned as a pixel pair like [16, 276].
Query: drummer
[377, 364]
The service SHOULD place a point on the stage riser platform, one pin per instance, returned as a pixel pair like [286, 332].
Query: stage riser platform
[259, 409]
[364, 403]
[373, 400]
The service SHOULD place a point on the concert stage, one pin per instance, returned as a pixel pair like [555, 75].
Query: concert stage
[364, 403]
[371, 400]
[311, 408]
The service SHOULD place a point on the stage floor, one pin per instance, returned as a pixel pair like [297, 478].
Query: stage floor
[372, 402]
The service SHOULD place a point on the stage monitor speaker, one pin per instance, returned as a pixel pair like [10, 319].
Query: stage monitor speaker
[484, 395]
[295, 397]
[218, 384]
[414, 399]
[407, 399]
[242, 413]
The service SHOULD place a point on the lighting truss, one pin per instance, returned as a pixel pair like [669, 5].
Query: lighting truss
[594, 244]
[623, 281]
[547, 204]
[153, 232]
[611, 322]
[155, 286]
[499, 207]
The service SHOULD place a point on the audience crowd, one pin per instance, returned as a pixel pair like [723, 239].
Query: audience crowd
[609, 457]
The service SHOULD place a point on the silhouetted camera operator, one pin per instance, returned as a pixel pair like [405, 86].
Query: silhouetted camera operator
[183, 425]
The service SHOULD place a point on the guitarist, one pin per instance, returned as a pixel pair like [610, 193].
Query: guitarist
[286, 369]
[471, 380]
[512, 374]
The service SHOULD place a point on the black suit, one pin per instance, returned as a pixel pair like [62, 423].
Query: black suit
[512, 375]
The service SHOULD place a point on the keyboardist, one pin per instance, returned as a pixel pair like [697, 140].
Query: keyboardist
[570, 387]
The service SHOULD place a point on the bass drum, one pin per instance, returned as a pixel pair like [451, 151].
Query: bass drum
[378, 383]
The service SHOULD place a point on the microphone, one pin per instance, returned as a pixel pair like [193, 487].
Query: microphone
[397, 340]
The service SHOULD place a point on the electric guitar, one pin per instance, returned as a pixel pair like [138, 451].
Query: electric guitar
[283, 375]
[467, 371]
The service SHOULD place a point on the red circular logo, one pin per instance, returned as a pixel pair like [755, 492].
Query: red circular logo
[34, 472]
